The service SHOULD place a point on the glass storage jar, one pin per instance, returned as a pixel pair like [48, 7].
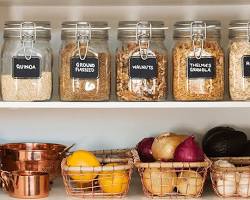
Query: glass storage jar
[198, 61]
[141, 61]
[26, 73]
[239, 60]
[85, 62]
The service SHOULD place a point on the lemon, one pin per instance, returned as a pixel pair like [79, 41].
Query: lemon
[113, 182]
[85, 159]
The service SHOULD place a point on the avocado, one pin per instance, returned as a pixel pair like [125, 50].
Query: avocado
[224, 142]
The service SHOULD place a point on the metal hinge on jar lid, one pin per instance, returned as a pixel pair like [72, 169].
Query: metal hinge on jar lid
[83, 36]
[198, 33]
[28, 38]
[143, 37]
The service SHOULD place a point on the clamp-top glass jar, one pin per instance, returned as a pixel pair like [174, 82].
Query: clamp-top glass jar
[26, 73]
[85, 62]
[141, 61]
[198, 61]
[239, 60]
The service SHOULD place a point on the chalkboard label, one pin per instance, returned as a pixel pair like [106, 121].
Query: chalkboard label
[85, 69]
[142, 69]
[201, 68]
[23, 68]
[246, 66]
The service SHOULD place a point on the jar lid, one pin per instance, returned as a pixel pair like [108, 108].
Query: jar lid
[74, 29]
[130, 29]
[239, 29]
[206, 28]
[35, 29]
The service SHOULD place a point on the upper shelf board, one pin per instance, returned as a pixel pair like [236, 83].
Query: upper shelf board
[122, 105]
[121, 2]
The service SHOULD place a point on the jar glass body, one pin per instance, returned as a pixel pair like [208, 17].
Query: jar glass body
[141, 89]
[26, 88]
[197, 88]
[85, 89]
[239, 65]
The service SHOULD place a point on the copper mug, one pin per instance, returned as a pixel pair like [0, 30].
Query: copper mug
[26, 184]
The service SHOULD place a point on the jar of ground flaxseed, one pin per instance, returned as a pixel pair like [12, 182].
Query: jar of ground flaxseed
[239, 60]
[85, 62]
[141, 61]
[26, 73]
[198, 61]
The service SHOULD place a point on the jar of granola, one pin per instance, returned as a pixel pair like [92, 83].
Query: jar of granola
[85, 62]
[239, 60]
[141, 61]
[198, 61]
[26, 71]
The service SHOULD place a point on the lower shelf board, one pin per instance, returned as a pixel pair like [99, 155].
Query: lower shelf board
[123, 105]
[58, 192]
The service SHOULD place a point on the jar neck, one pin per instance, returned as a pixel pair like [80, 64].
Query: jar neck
[127, 40]
[189, 39]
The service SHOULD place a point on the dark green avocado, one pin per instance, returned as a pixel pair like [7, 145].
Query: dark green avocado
[224, 142]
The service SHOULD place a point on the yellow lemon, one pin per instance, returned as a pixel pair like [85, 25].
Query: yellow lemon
[113, 182]
[84, 159]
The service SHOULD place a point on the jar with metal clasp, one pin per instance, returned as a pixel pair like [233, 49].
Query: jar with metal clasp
[85, 62]
[26, 73]
[141, 61]
[198, 61]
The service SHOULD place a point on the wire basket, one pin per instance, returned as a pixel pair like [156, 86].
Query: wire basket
[172, 179]
[110, 180]
[231, 181]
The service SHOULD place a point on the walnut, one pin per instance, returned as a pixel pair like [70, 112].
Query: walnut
[200, 89]
[128, 89]
[239, 86]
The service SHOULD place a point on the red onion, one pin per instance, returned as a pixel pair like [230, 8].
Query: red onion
[189, 151]
[144, 149]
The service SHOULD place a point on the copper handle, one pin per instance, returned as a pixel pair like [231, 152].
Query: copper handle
[5, 178]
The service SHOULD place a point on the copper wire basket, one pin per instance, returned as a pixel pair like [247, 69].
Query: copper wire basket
[109, 181]
[231, 181]
[172, 179]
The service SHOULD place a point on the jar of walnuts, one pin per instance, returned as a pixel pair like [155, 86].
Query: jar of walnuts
[141, 61]
[85, 62]
[198, 61]
[239, 60]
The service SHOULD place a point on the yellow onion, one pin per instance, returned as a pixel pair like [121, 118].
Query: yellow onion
[164, 146]
[189, 183]
[159, 182]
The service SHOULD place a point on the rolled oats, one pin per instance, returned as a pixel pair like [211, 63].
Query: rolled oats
[239, 61]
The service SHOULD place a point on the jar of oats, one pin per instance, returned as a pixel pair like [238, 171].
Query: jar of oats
[85, 62]
[198, 61]
[239, 60]
[141, 61]
[26, 73]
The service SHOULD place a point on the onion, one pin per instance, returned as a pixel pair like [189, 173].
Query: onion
[144, 150]
[189, 183]
[158, 181]
[189, 151]
[164, 146]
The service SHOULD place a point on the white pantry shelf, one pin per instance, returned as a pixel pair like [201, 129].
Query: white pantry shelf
[135, 193]
[122, 2]
[122, 105]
